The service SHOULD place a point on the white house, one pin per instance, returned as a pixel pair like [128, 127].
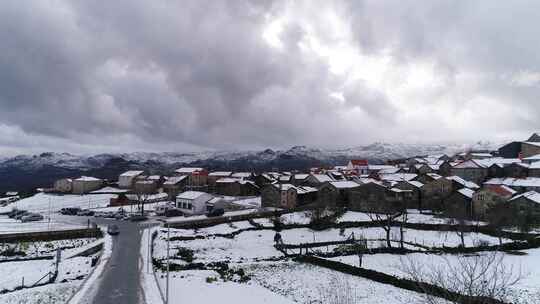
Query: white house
[193, 202]
[126, 179]
[86, 184]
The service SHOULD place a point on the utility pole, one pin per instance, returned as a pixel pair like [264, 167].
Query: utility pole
[49, 222]
[168, 256]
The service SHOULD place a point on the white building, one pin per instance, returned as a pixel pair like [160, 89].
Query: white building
[85, 184]
[126, 179]
[64, 185]
[193, 202]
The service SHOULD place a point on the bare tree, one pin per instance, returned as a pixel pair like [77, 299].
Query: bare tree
[480, 278]
[142, 199]
[403, 221]
[384, 220]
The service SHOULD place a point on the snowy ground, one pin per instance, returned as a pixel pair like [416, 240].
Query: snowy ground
[286, 282]
[311, 284]
[39, 249]
[527, 290]
[53, 293]
[191, 287]
[8, 225]
[45, 202]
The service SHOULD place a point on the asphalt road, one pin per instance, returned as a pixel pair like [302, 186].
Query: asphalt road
[119, 282]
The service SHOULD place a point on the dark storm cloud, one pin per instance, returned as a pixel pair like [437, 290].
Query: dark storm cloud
[199, 73]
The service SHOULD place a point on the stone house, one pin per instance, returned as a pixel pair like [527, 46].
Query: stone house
[534, 169]
[528, 202]
[336, 193]
[518, 184]
[489, 196]
[145, 186]
[197, 177]
[263, 179]
[414, 201]
[427, 178]
[459, 203]
[517, 170]
[174, 185]
[316, 180]
[287, 196]
[236, 187]
[471, 170]
[214, 176]
[375, 197]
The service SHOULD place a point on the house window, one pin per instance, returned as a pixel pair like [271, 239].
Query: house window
[189, 206]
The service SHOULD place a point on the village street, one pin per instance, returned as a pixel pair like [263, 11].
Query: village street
[119, 283]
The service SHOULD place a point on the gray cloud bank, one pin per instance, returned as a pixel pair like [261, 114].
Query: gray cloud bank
[86, 76]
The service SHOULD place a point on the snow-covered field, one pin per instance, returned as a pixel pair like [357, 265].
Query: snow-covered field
[53, 293]
[311, 284]
[527, 290]
[8, 225]
[71, 272]
[285, 281]
[192, 287]
[14, 274]
[38, 249]
[45, 202]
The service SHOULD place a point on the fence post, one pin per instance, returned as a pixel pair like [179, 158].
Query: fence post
[22, 282]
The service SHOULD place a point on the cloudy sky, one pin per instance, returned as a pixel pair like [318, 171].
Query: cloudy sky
[130, 75]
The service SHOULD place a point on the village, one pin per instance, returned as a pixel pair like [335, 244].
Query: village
[355, 232]
[467, 185]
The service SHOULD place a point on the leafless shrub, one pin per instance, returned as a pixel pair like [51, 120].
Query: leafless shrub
[483, 277]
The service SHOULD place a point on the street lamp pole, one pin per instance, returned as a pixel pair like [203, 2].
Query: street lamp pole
[168, 256]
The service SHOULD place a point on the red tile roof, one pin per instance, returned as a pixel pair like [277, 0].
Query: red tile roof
[359, 162]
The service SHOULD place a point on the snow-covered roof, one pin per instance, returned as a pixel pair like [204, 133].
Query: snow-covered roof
[88, 179]
[466, 192]
[531, 195]
[299, 189]
[379, 167]
[321, 178]
[301, 176]
[241, 174]
[154, 177]
[227, 180]
[220, 173]
[397, 190]
[389, 171]
[174, 179]
[470, 164]
[500, 190]
[535, 165]
[344, 184]
[532, 143]
[534, 157]
[398, 177]
[132, 173]
[109, 190]
[434, 175]
[515, 182]
[464, 183]
[188, 170]
[417, 184]
[191, 195]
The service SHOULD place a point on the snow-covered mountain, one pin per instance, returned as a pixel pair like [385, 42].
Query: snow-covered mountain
[375, 151]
